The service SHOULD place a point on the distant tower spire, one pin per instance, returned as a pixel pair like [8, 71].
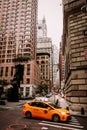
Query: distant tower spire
[42, 28]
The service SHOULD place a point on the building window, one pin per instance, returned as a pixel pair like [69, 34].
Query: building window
[43, 57]
[1, 71]
[6, 71]
[27, 91]
[28, 81]
[28, 69]
[8, 60]
[12, 71]
[3, 61]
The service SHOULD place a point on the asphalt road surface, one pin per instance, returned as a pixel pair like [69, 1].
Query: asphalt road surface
[13, 119]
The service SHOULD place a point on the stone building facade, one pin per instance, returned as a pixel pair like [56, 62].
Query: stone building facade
[75, 52]
[61, 69]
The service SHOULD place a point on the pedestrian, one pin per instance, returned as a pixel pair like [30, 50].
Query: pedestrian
[57, 102]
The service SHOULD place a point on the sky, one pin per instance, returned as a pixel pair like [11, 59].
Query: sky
[52, 11]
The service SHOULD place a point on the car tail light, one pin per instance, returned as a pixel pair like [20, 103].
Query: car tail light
[24, 106]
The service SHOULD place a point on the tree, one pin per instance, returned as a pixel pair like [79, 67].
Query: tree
[19, 72]
[13, 93]
[21, 59]
[42, 88]
[2, 84]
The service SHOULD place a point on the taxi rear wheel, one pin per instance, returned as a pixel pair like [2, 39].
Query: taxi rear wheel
[28, 114]
[55, 118]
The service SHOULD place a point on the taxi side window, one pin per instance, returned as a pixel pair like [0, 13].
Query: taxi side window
[42, 105]
[39, 104]
[33, 104]
[45, 105]
[36, 104]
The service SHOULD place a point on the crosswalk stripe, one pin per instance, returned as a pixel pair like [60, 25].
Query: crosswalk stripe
[56, 126]
[63, 124]
[74, 123]
[75, 120]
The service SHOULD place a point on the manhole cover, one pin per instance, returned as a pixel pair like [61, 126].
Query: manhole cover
[17, 127]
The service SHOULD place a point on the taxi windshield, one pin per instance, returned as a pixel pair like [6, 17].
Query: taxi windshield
[54, 105]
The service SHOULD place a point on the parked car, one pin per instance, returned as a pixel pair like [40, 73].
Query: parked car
[49, 95]
[27, 98]
[45, 110]
[41, 98]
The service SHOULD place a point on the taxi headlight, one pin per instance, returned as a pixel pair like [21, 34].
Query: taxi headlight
[63, 113]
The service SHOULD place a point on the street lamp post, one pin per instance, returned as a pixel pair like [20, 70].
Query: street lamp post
[84, 8]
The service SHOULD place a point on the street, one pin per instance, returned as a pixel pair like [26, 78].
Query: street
[14, 117]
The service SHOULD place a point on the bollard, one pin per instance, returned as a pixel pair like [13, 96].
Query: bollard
[67, 108]
[82, 111]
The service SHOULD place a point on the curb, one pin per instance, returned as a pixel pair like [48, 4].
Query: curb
[79, 115]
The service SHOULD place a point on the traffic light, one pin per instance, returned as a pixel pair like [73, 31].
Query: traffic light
[19, 72]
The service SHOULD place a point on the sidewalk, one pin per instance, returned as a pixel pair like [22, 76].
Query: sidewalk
[12, 105]
[77, 113]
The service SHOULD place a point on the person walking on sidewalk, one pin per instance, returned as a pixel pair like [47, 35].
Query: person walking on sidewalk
[57, 102]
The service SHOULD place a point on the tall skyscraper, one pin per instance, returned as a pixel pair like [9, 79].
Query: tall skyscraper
[18, 28]
[18, 34]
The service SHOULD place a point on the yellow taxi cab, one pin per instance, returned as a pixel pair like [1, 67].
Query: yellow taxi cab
[45, 110]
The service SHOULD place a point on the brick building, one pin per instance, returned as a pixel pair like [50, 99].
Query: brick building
[18, 38]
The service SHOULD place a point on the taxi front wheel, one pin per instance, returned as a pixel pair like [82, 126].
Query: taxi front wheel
[55, 118]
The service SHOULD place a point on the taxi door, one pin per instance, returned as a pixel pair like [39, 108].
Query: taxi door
[43, 111]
